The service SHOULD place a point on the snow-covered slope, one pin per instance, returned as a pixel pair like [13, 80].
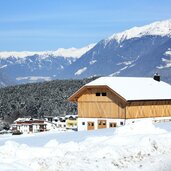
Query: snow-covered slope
[26, 66]
[160, 28]
[73, 52]
[5, 80]
[132, 147]
[140, 51]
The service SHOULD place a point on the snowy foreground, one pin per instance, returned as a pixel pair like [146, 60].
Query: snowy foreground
[140, 146]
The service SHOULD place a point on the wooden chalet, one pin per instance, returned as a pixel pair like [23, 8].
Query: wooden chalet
[114, 101]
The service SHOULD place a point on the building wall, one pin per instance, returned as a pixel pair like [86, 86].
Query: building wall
[35, 128]
[92, 106]
[71, 124]
[113, 109]
[148, 109]
[83, 122]
[154, 120]
[23, 128]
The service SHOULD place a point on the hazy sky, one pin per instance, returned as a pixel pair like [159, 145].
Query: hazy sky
[50, 24]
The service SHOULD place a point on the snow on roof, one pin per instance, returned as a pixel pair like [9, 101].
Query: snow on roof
[22, 119]
[68, 116]
[135, 88]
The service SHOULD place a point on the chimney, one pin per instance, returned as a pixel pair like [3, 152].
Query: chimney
[156, 77]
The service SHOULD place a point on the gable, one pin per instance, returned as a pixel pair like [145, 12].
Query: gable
[88, 93]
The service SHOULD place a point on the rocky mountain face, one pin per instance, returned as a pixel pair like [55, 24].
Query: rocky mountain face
[27, 67]
[139, 51]
[6, 80]
[34, 68]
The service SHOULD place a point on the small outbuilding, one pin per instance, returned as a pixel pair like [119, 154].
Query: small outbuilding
[114, 101]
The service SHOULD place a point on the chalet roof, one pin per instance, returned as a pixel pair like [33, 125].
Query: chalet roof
[135, 88]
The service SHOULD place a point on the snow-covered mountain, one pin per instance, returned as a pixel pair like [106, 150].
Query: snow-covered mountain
[5, 80]
[70, 52]
[28, 66]
[139, 51]
[160, 28]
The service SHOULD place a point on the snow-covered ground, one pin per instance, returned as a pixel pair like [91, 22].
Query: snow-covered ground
[139, 146]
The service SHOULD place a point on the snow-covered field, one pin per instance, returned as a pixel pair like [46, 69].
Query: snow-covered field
[139, 146]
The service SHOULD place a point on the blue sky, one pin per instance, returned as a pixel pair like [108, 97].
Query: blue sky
[50, 24]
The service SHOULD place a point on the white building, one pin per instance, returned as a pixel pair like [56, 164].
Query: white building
[29, 125]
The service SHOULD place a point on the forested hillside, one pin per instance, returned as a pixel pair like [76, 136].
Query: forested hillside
[39, 99]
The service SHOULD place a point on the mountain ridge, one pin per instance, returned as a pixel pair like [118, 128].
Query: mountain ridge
[27, 67]
[139, 51]
[65, 52]
[134, 55]
[158, 28]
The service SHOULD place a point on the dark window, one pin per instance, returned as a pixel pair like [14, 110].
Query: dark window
[97, 94]
[121, 123]
[104, 123]
[113, 124]
[104, 94]
[92, 124]
[83, 123]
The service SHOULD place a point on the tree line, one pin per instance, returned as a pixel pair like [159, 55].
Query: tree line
[39, 99]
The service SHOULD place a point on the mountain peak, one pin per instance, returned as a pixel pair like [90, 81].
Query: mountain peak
[159, 28]
[70, 52]
[73, 52]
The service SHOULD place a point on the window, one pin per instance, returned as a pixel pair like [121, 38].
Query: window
[121, 123]
[101, 94]
[104, 94]
[97, 94]
[104, 123]
[83, 123]
[112, 124]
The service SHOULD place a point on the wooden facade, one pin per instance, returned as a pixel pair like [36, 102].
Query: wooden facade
[92, 106]
[112, 105]
[148, 109]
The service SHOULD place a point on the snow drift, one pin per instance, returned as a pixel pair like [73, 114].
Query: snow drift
[139, 146]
